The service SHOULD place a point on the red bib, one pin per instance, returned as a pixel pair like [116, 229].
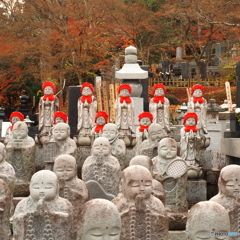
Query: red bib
[98, 128]
[126, 99]
[142, 128]
[84, 98]
[50, 97]
[198, 99]
[159, 99]
[189, 128]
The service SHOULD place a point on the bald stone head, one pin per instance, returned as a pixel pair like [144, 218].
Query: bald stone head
[142, 160]
[20, 130]
[167, 148]
[205, 218]
[101, 146]
[100, 219]
[61, 131]
[155, 132]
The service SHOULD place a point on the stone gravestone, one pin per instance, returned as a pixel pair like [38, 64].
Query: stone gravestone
[50, 151]
[184, 70]
[179, 53]
[218, 53]
[100, 219]
[143, 215]
[43, 215]
[203, 69]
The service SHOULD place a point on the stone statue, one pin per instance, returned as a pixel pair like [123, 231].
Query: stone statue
[61, 136]
[102, 167]
[145, 119]
[171, 171]
[21, 152]
[124, 108]
[190, 143]
[7, 172]
[149, 146]
[118, 147]
[207, 219]
[198, 104]
[14, 117]
[60, 117]
[48, 105]
[5, 209]
[100, 219]
[159, 106]
[143, 215]
[43, 215]
[71, 187]
[229, 194]
[157, 188]
[101, 119]
[87, 108]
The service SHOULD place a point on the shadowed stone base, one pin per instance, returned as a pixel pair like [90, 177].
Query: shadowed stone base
[177, 235]
[21, 190]
[177, 221]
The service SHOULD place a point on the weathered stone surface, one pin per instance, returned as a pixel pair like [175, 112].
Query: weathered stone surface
[215, 134]
[99, 219]
[206, 218]
[177, 235]
[43, 214]
[230, 147]
[143, 215]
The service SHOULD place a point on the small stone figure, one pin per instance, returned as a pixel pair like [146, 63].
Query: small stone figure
[145, 119]
[198, 104]
[87, 108]
[207, 220]
[143, 215]
[159, 106]
[21, 152]
[100, 219]
[118, 147]
[149, 146]
[190, 142]
[102, 167]
[101, 119]
[14, 117]
[124, 108]
[60, 117]
[71, 187]
[5, 209]
[43, 215]
[48, 105]
[157, 188]
[61, 136]
[171, 171]
[229, 194]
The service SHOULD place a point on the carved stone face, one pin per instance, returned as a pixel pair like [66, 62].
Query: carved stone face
[206, 218]
[2, 152]
[110, 131]
[65, 167]
[137, 181]
[100, 220]
[229, 181]
[100, 121]
[190, 122]
[155, 132]
[145, 121]
[59, 120]
[124, 93]
[101, 146]
[15, 119]
[44, 185]
[167, 148]
[61, 132]
[20, 130]
[197, 93]
[86, 91]
[48, 90]
[159, 92]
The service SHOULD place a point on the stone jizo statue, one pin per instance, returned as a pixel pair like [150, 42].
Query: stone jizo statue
[60, 117]
[124, 108]
[143, 215]
[101, 119]
[43, 215]
[87, 108]
[102, 167]
[118, 147]
[207, 220]
[159, 106]
[100, 219]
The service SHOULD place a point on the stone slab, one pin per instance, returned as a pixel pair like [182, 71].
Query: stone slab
[215, 134]
[131, 71]
[230, 147]
[138, 108]
[196, 191]
[177, 235]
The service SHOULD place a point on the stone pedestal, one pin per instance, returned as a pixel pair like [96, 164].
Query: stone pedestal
[21, 190]
[83, 152]
[196, 192]
[214, 132]
[177, 235]
[230, 147]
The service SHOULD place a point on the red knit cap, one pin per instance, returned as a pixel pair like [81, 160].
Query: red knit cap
[125, 86]
[86, 84]
[198, 86]
[61, 115]
[49, 84]
[190, 115]
[17, 114]
[101, 114]
[159, 85]
[145, 114]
